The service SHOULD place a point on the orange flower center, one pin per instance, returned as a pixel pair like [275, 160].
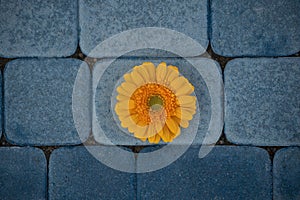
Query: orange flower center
[153, 103]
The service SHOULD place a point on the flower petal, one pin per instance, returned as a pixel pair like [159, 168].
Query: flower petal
[121, 97]
[129, 87]
[186, 100]
[178, 83]
[171, 75]
[161, 72]
[151, 70]
[144, 73]
[128, 78]
[172, 125]
[185, 89]
[183, 114]
[137, 78]
[122, 91]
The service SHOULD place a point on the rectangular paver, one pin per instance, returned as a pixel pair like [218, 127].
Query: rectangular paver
[39, 101]
[102, 20]
[262, 101]
[23, 173]
[225, 173]
[286, 174]
[38, 28]
[204, 74]
[255, 28]
[75, 174]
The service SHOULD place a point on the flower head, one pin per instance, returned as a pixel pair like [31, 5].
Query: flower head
[154, 102]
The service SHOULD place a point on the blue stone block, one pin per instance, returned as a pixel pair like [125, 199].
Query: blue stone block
[99, 21]
[262, 101]
[286, 173]
[23, 173]
[227, 172]
[0, 105]
[38, 28]
[75, 174]
[40, 101]
[255, 28]
[204, 74]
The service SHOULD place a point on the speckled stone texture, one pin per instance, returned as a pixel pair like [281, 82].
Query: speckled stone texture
[262, 101]
[106, 123]
[1, 105]
[100, 20]
[76, 174]
[226, 173]
[38, 101]
[255, 28]
[23, 173]
[38, 28]
[286, 173]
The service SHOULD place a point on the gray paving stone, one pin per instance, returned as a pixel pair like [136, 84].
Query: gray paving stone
[206, 73]
[101, 20]
[228, 172]
[286, 173]
[38, 101]
[75, 174]
[255, 28]
[262, 101]
[23, 173]
[38, 28]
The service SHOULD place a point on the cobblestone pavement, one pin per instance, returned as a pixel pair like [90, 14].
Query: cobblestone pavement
[250, 49]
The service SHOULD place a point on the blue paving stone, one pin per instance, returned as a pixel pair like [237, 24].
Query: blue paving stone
[38, 28]
[75, 174]
[23, 173]
[0, 105]
[101, 20]
[286, 173]
[106, 126]
[255, 28]
[229, 172]
[262, 101]
[38, 101]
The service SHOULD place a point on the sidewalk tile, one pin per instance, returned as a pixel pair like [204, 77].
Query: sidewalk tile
[286, 173]
[227, 172]
[255, 28]
[38, 28]
[101, 20]
[23, 173]
[262, 101]
[75, 174]
[38, 101]
[202, 73]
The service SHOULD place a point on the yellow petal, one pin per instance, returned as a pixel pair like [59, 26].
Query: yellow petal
[172, 125]
[178, 83]
[183, 114]
[171, 75]
[127, 122]
[121, 90]
[186, 100]
[137, 78]
[129, 87]
[128, 78]
[165, 134]
[122, 112]
[182, 122]
[140, 132]
[126, 105]
[151, 70]
[161, 72]
[151, 139]
[185, 89]
[150, 131]
[173, 68]
[121, 97]
[157, 139]
[144, 73]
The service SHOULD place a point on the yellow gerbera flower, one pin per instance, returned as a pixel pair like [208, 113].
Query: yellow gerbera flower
[154, 102]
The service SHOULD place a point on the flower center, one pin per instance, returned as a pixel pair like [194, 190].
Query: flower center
[153, 102]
